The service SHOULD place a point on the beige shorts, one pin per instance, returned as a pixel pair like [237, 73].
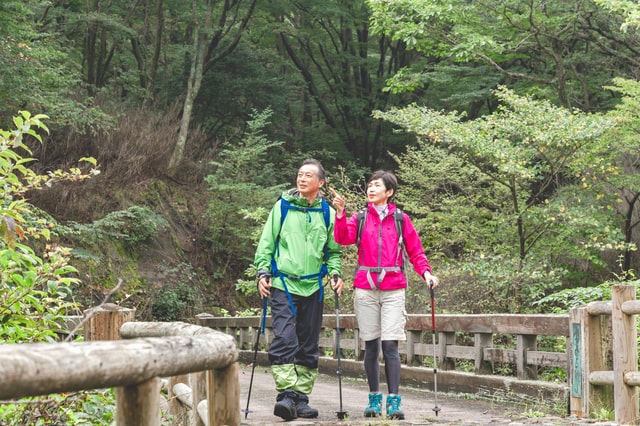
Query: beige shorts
[380, 314]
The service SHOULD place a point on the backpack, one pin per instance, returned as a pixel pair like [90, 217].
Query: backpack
[285, 206]
[398, 219]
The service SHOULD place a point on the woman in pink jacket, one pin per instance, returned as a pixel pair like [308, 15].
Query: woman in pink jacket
[380, 282]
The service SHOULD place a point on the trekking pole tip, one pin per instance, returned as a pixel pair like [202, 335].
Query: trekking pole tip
[342, 415]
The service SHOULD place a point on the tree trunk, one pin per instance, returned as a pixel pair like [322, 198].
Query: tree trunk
[230, 27]
[153, 71]
[193, 87]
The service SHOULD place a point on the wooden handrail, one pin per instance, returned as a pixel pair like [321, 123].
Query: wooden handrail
[418, 329]
[134, 366]
[417, 350]
[43, 368]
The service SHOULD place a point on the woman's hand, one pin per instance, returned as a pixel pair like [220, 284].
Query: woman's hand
[338, 202]
[432, 280]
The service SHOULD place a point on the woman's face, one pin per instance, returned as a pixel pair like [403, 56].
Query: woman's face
[377, 193]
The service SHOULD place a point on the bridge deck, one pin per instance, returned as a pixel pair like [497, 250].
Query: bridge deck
[417, 404]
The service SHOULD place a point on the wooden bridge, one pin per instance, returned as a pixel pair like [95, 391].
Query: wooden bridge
[596, 345]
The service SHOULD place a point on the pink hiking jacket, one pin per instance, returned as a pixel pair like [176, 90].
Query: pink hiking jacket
[379, 248]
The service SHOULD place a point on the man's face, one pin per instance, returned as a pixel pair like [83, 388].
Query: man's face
[308, 182]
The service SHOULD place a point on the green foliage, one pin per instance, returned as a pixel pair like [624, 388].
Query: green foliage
[38, 73]
[87, 408]
[552, 50]
[602, 414]
[533, 413]
[178, 297]
[35, 292]
[511, 195]
[242, 192]
[627, 8]
[132, 226]
[564, 300]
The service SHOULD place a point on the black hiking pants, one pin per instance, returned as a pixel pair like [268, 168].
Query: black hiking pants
[295, 338]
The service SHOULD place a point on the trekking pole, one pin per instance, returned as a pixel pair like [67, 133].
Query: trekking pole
[263, 324]
[341, 414]
[436, 409]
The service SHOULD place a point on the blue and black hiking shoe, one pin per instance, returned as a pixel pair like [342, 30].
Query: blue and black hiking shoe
[374, 409]
[286, 405]
[393, 407]
[302, 407]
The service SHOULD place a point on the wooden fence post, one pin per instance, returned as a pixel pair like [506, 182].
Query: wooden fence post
[223, 396]
[625, 359]
[577, 371]
[104, 321]
[444, 339]
[139, 405]
[198, 383]
[176, 409]
[590, 360]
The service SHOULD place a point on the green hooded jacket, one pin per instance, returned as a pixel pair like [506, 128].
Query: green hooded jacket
[301, 247]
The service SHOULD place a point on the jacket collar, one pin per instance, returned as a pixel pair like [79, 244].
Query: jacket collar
[293, 196]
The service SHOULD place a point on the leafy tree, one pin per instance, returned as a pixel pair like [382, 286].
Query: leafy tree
[562, 51]
[628, 8]
[242, 190]
[35, 292]
[623, 179]
[529, 159]
[38, 73]
[209, 38]
[343, 69]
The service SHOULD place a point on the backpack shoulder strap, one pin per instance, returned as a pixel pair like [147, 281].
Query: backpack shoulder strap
[326, 213]
[362, 216]
[285, 206]
[398, 218]
[284, 209]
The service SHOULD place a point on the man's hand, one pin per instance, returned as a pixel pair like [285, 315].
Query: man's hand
[336, 284]
[264, 284]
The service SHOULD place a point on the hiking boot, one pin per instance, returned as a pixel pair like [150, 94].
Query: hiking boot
[302, 407]
[286, 405]
[374, 409]
[393, 407]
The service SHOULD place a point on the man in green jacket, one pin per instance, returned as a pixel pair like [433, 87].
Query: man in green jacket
[296, 251]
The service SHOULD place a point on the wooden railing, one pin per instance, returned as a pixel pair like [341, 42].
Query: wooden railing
[135, 367]
[601, 359]
[454, 332]
[600, 356]
[604, 372]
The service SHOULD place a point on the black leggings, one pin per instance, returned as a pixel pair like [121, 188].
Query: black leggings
[391, 364]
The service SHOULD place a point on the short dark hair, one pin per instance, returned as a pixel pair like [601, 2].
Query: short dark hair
[388, 178]
[318, 164]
